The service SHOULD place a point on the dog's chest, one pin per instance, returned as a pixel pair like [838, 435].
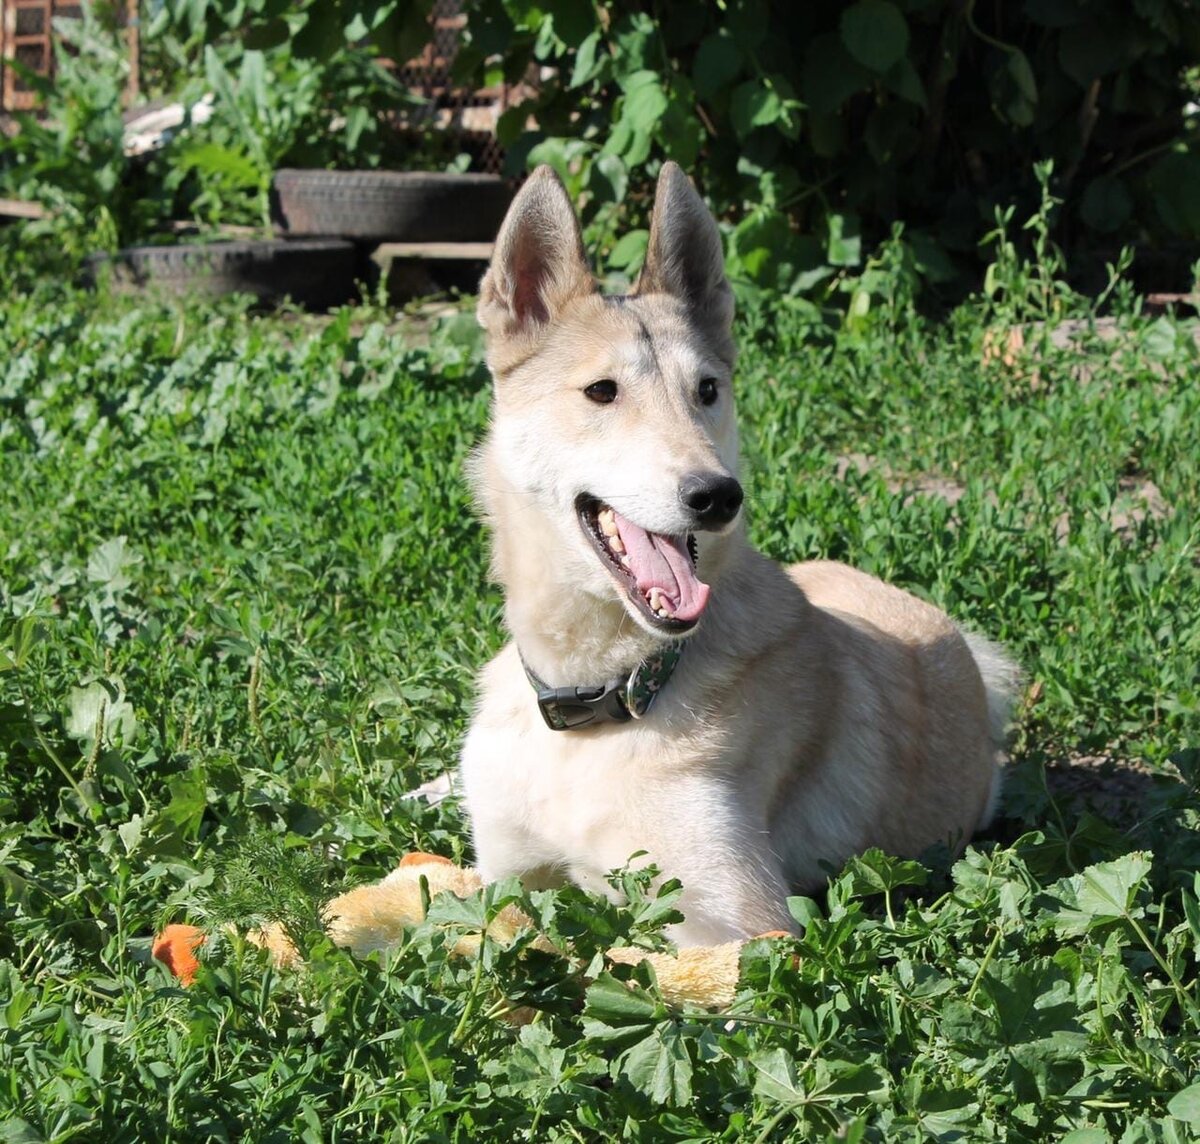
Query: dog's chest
[577, 802]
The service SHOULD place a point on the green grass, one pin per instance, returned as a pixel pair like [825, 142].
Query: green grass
[246, 541]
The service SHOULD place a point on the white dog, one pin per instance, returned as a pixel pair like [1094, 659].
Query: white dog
[668, 689]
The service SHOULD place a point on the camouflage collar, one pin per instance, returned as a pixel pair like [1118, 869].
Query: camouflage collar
[617, 701]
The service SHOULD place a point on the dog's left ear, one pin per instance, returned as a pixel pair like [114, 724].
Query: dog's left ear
[684, 256]
[538, 264]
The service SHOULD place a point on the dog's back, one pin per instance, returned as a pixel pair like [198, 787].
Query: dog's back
[920, 721]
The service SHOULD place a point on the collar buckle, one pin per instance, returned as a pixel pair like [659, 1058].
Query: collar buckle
[570, 708]
[617, 701]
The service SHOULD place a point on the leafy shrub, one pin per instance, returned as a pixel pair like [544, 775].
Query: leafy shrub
[292, 85]
[73, 159]
[819, 133]
[814, 128]
[299, 92]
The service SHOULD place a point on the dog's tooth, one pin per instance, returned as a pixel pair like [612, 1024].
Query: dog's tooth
[625, 562]
[653, 599]
[608, 524]
[616, 544]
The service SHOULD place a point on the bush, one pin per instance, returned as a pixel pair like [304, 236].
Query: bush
[815, 131]
[307, 92]
[815, 128]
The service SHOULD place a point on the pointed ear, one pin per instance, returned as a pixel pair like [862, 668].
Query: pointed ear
[537, 264]
[684, 257]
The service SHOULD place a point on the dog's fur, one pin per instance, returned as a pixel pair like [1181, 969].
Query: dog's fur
[816, 711]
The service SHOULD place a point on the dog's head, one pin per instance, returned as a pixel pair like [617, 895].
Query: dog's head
[614, 415]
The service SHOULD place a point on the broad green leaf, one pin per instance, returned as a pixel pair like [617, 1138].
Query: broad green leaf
[1090, 49]
[357, 28]
[588, 61]
[1101, 894]
[613, 1006]
[850, 1078]
[804, 910]
[753, 105]
[19, 1131]
[844, 246]
[830, 76]
[717, 63]
[131, 832]
[775, 1077]
[660, 1067]
[1014, 89]
[1185, 1105]
[535, 1062]
[1172, 181]
[111, 563]
[18, 1005]
[188, 800]
[25, 635]
[573, 21]
[609, 179]
[1022, 73]
[645, 100]
[100, 710]
[548, 45]
[749, 23]
[630, 249]
[875, 33]
[1033, 1001]
[904, 79]
[932, 260]
[1109, 888]
[637, 42]
[1161, 339]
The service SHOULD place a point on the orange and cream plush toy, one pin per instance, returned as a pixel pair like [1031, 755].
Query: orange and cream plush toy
[373, 918]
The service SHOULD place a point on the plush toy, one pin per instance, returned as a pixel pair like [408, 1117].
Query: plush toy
[374, 917]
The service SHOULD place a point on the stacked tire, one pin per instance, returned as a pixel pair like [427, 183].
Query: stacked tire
[330, 222]
[315, 273]
[391, 206]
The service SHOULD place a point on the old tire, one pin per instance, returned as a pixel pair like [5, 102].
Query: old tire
[315, 273]
[396, 206]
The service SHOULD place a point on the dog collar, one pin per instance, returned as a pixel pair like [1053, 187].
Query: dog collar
[617, 701]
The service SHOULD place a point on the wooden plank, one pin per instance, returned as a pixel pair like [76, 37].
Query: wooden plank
[434, 251]
[17, 208]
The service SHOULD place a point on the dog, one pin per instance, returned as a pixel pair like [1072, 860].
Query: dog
[669, 692]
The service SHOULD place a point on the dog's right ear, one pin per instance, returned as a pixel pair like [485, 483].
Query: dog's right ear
[684, 257]
[538, 263]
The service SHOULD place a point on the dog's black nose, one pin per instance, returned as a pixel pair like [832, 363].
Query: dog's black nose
[713, 498]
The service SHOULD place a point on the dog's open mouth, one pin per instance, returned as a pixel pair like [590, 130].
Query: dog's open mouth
[658, 572]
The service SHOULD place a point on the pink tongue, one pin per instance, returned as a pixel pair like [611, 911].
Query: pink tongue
[663, 562]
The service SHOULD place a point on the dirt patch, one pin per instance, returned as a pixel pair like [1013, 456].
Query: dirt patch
[1138, 500]
[910, 486]
[1118, 790]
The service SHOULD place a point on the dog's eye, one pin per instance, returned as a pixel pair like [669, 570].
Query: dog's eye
[602, 392]
[708, 391]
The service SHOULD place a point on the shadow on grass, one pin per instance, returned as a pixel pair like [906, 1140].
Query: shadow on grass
[1094, 808]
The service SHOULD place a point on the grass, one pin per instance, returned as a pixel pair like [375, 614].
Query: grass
[243, 598]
